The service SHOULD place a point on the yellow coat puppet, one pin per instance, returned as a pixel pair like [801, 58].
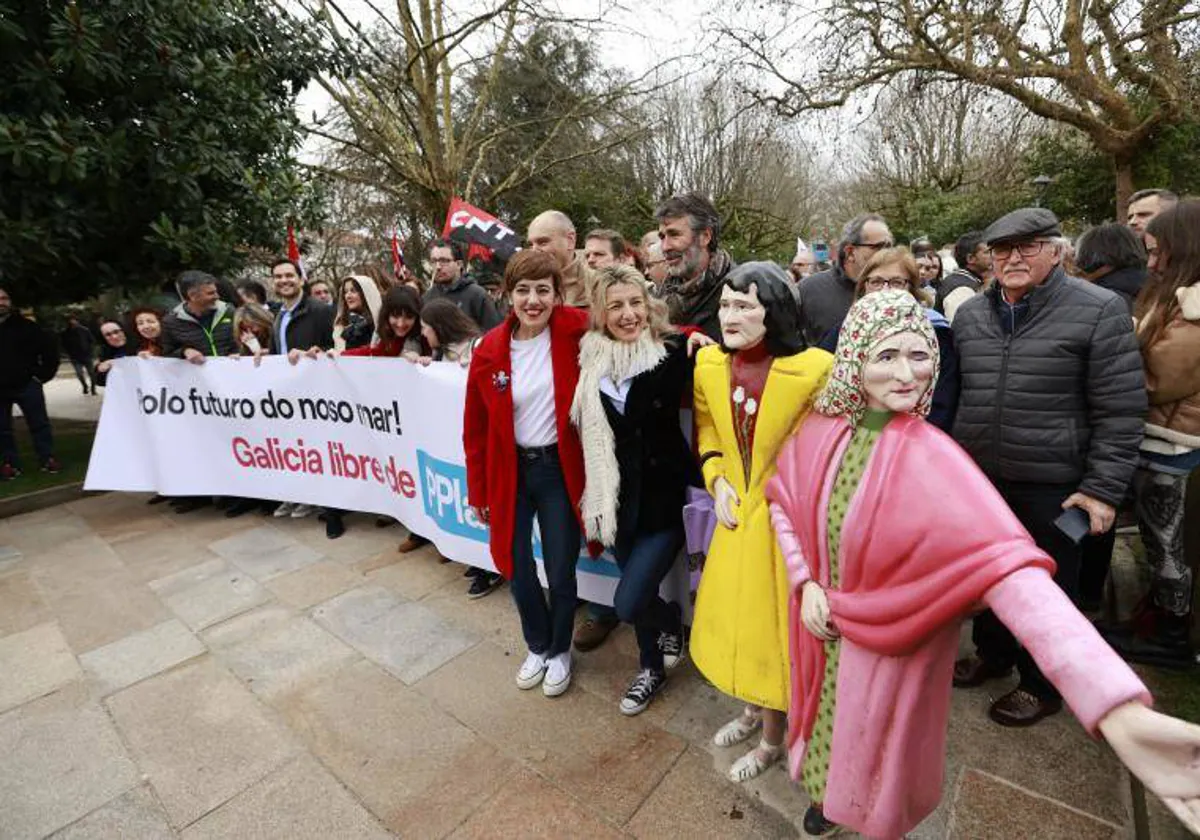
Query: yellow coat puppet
[750, 394]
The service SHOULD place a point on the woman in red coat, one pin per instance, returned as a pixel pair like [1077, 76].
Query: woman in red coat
[524, 458]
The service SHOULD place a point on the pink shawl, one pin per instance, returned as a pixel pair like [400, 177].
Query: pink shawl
[925, 536]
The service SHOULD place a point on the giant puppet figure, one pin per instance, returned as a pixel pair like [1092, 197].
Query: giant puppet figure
[881, 586]
[749, 394]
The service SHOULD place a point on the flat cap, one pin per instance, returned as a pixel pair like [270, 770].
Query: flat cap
[1026, 223]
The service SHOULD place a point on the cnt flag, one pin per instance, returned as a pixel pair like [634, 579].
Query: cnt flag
[487, 235]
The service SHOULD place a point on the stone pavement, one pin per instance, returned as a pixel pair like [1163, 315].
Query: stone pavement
[197, 677]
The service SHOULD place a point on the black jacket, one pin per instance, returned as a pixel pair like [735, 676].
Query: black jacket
[108, 353]
[1126, 282]
[1052, 388]
[181, 330]
[470, 297]
[960, 278]
[27, 352]
[77, 343]
[656, 462]
[825, 298]
[310, 325]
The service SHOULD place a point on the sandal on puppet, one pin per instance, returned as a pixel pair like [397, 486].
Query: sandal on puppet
[756, 761]
[737, 730]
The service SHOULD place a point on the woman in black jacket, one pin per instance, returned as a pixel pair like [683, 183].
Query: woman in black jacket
[634, 371]
[1113, 257]
[116, 346]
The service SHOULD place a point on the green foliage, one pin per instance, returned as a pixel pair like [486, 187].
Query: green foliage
[140, 137]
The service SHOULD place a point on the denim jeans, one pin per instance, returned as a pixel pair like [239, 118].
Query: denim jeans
[32, 401]
[541, 490]
[644, 564]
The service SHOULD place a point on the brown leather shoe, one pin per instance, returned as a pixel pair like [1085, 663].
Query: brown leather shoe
[592, 633]
[413, 542]
[1020, 708]
[973, 671]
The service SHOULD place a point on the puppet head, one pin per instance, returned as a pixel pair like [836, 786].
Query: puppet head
[887, 357]
[757, 306]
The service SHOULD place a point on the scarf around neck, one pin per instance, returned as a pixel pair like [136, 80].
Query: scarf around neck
[601, 356]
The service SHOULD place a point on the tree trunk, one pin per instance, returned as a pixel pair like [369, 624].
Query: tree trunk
[1123, 166]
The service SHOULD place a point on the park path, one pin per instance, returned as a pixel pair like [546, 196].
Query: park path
[191, 676]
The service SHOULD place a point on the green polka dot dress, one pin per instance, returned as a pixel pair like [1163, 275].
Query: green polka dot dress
[815, 772]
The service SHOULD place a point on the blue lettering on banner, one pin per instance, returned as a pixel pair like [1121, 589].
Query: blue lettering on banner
[444, 497]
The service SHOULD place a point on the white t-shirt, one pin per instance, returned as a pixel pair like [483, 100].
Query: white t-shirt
[533, 392]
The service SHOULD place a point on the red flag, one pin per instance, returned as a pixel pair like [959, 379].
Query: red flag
[294, 251]
[486, 234]
[397, 253]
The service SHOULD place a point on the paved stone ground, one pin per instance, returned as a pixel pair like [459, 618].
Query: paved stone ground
[195, 677]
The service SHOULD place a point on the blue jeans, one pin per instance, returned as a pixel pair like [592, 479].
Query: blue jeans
[541, 490]
[32, 401]
[644, 564]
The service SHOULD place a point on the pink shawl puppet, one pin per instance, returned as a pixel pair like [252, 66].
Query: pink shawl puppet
[926, 541]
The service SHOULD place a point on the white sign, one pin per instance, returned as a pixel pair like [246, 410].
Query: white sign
[374, 435]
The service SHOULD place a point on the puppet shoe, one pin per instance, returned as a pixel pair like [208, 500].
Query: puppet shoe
[737, 730]
[755, 762]
[1021, 708]
[815, 824]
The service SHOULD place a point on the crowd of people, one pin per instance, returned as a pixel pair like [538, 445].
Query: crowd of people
[1036, 389]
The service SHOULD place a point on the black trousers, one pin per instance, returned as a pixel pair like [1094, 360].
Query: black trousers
[1036, 506]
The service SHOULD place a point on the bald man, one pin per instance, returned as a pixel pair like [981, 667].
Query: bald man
[553, 233]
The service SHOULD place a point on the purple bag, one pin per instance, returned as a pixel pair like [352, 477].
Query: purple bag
[699, 524]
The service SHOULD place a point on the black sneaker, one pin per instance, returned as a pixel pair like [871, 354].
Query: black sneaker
[671, 644]
[484, 584]
[641, 691]
[815, 824]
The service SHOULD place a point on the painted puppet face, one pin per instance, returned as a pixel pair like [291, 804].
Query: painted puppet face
[898, 372]
[743, 318]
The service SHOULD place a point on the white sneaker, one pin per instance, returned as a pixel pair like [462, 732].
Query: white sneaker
[532, 671]
[301, 511]
[285, 509]
[558, 675]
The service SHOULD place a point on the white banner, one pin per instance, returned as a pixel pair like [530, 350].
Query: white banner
[373, 435]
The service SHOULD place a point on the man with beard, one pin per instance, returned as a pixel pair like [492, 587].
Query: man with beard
[826, 297]
[553, 233]
[689, 230]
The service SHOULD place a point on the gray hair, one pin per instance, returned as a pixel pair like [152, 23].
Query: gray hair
[560, 219]
[1162, 195]
[700, 212]
[189, 280]
[853, 230]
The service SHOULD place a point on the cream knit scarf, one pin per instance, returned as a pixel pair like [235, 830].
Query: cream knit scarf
[601, 356]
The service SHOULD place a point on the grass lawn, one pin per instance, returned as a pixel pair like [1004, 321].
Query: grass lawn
[72, 447]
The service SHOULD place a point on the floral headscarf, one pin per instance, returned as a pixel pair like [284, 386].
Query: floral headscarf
[871, 319]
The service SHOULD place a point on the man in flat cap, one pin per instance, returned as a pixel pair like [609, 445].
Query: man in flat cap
[1051, 408]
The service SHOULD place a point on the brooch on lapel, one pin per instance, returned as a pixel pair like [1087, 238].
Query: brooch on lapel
[500, 380]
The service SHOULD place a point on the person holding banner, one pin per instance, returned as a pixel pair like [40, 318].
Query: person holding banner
[634, 370]
[749, 394]
[524, 458]
[357, 312]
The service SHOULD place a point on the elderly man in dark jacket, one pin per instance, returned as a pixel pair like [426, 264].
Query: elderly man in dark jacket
[826, 297]
[1051, 408]
[28, 357]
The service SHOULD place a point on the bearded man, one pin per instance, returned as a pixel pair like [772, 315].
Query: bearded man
[689, 230]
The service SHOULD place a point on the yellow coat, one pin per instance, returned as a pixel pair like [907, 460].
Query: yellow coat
[740, 629]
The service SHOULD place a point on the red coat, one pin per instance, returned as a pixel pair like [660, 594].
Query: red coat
[489, 434]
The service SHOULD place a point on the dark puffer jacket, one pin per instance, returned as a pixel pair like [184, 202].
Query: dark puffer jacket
[181, 331]
[1052, 389]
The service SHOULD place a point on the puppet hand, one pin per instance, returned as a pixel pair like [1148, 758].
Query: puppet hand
[1100, 514]
[1162, 751]
[814, 612]
[726, 503]
[697, 340]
